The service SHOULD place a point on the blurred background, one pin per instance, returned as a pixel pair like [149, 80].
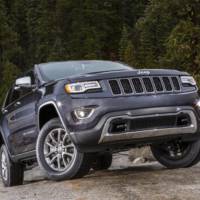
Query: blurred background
[142, 33]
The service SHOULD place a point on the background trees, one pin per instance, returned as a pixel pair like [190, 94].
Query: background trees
[142, 33]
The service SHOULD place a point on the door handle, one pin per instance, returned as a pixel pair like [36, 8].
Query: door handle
[4, 111]
[18, 103]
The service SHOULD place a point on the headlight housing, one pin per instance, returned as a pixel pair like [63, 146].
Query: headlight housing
[83, 113]
[189, 80]
[82, 87]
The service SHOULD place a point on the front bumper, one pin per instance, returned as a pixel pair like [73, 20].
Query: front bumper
[99, 138]
[91, 134]
[189, 127]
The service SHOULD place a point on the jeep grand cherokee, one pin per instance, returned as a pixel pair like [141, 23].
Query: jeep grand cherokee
[71, 116]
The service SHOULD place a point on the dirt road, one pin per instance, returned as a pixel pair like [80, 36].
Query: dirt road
[123, 181]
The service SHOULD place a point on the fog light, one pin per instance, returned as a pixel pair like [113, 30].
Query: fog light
[83, 113]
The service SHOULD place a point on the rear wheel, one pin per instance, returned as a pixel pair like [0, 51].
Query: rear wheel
[58, 156]
[195, 161]
[12, 174]
[102, 161]
[176, 154]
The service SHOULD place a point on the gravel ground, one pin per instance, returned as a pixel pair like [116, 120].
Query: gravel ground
[124, 181]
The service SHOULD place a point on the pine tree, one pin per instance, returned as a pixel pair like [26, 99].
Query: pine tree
[123, 43]
[18, 21]
[183, 47]
[9, 49]
[9, 73]
[129, 54]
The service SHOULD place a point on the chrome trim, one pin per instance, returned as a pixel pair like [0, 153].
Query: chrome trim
[54, 104]
[178, 79]
[111, 88]
[107, 137]
[167, 91]
[123, 87]
[142, 85]
[141, 79]
[152, 83]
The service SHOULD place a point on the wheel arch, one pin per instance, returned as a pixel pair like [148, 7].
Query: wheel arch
[48, 111]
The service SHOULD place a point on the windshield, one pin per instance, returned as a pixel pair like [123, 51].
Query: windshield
[59, 70]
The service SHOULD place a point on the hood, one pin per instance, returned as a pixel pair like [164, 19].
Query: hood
[126, 73]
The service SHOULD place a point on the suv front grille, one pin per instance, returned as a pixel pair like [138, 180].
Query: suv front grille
[145, 85]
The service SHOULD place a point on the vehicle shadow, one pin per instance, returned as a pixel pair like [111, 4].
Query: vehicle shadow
[113, 171]
[136, 169]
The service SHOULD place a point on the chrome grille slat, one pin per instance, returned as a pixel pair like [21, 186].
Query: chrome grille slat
[175, 83]
[148, 84]
[137, 85]
[167, 83]
[145, 85]
[125, 83]
[115, 87]
[158, 84]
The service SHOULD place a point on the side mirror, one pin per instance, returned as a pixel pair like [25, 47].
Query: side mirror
[23, 82]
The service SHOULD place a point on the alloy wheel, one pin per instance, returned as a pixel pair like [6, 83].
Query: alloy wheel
[59, 151]
[176, 150]
[4, 166]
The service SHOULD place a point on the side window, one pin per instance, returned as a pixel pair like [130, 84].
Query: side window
[15, 95]
[31, 74]
[12, 96]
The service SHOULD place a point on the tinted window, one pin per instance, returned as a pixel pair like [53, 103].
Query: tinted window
[15, 95]
[58, 70]
[12, 96]
[31, 74]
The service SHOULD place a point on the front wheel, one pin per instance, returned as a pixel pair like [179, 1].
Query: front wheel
[176, 154]
[58, 156]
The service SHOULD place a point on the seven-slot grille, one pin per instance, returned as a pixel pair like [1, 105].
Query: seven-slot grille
[145, 85]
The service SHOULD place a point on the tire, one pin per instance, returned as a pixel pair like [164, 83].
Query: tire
[12, 174]
[77, 167]
[177, 154]
[102, 161]
[195, 161]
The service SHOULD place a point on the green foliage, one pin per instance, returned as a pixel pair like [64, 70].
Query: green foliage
[183, 47]
[9, 48]
[129, 54]
[9, 73]
[142, 33]
[123, 43]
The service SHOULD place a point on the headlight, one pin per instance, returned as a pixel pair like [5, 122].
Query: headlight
[82, 87]
[188, 80]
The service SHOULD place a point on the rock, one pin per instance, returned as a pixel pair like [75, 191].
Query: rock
[141, 155]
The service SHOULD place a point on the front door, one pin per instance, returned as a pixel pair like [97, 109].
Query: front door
[20, 120]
